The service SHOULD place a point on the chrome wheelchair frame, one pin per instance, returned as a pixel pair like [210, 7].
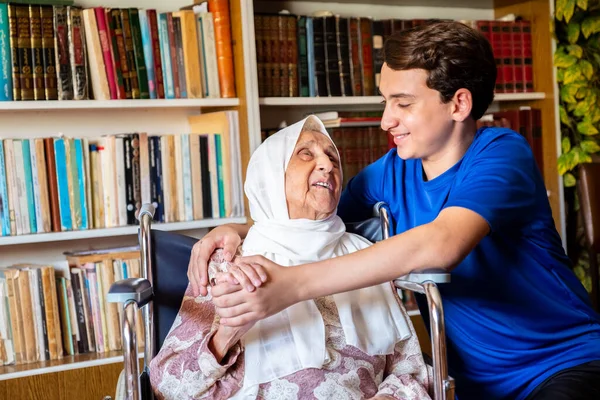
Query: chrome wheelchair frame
[136, 293]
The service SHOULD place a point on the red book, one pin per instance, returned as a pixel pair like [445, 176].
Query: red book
[527, 55]
[158, 70]
[517, 55]
[496, 42]
[507, 56]
[109, 64]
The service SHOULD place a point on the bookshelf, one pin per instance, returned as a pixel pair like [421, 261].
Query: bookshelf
[370, 100]
[116, 104]
[97, 373]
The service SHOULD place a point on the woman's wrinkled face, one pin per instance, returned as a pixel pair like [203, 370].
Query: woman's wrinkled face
[313, 178]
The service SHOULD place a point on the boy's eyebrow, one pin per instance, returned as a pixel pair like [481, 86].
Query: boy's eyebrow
[398, 95]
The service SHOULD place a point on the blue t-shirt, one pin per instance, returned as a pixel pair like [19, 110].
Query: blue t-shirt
[515, 312]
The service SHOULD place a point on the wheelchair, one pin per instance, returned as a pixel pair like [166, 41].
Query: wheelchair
[159, 294]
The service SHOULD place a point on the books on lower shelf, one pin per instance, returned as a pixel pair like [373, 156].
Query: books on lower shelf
[65, 52]
[332, 55]
[48, 313]
[62, 183]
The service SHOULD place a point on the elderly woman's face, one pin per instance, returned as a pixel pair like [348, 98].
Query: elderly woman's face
[313, 178]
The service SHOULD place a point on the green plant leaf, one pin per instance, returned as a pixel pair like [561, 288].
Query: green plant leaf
[569, 10]
[560, 74]
[590, 146]
[569, 180]
[581, 110]
[563, 60]
[586, 127]
[575, 50]
[573, 74]
[586, 68]
[573, 30]
[564, 118]
[582, 156]
[590, 25]
[560, 9]
[565, 144]
[566, 162]
[595, 115]
[567, 93]
[582, 92]
[583, 4]
[579, 272]
[572, 106]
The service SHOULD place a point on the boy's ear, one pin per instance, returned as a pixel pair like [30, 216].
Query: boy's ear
[463, 104]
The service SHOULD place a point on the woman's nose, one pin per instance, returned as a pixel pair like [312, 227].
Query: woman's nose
[324, 164]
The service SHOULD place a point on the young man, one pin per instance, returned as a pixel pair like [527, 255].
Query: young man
[518, 322]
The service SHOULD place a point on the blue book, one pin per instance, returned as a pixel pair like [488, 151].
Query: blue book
[4, 213]
[310, 53]
[148, 56]
[62, 180]
[6, 87]
[80, 162]
[124, 267]
[29, 185]
[165, 54]
[187, 178]
[219, 154]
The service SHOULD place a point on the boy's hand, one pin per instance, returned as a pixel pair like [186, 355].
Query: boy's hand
[237, 306]
[223, 237]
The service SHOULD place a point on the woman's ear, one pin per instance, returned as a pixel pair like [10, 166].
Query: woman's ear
[462, 105]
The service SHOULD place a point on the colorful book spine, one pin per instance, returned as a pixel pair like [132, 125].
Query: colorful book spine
[82, 183]
[109, 65]
[220, 177]
[187, 178]
[310, 55]
[148, 55]
[29, 185]
[138, 52]
[165, 52]
[4, 212]
[66, 222]
[6, 88]
[158, 66]
[39, 218]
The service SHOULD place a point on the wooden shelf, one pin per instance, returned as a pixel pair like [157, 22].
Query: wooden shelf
[477, 4]
[119, 231]
[64, 364]
[114, 104]
[367, 100]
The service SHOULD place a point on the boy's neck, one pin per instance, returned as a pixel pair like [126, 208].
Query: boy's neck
[456, 147]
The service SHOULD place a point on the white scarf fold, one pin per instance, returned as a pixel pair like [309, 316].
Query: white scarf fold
[294, 339]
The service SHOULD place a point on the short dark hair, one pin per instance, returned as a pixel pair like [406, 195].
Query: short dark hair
[455, 55]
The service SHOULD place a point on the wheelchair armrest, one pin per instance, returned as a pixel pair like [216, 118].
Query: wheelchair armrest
[429, 275]
[131, 289]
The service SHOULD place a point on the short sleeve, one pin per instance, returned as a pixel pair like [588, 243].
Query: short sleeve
[500, 182]
[365, 189]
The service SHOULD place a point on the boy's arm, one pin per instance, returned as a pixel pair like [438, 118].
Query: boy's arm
[442, 243]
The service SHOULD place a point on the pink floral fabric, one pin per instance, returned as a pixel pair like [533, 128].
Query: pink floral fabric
[185, 368]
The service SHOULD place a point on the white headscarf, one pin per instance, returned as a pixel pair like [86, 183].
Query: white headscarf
[294, 339]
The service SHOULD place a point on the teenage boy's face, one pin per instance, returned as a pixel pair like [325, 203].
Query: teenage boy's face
[414, 114]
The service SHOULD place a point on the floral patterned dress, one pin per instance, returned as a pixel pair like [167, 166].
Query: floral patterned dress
[185, 368]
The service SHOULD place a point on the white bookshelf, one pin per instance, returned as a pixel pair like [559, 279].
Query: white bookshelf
[118, 231]
[50, 105]
[64, 364]
[370, 100]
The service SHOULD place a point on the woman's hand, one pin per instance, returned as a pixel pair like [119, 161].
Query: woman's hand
[225, 237]
[238, 307]
[225, 338]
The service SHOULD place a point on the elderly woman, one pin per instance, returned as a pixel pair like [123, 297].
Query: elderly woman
[354, 345]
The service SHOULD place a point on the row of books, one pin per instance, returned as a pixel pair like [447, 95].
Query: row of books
[525, 120]
[69, 53]
[48, 313]
[59, 184]
[338, 56]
